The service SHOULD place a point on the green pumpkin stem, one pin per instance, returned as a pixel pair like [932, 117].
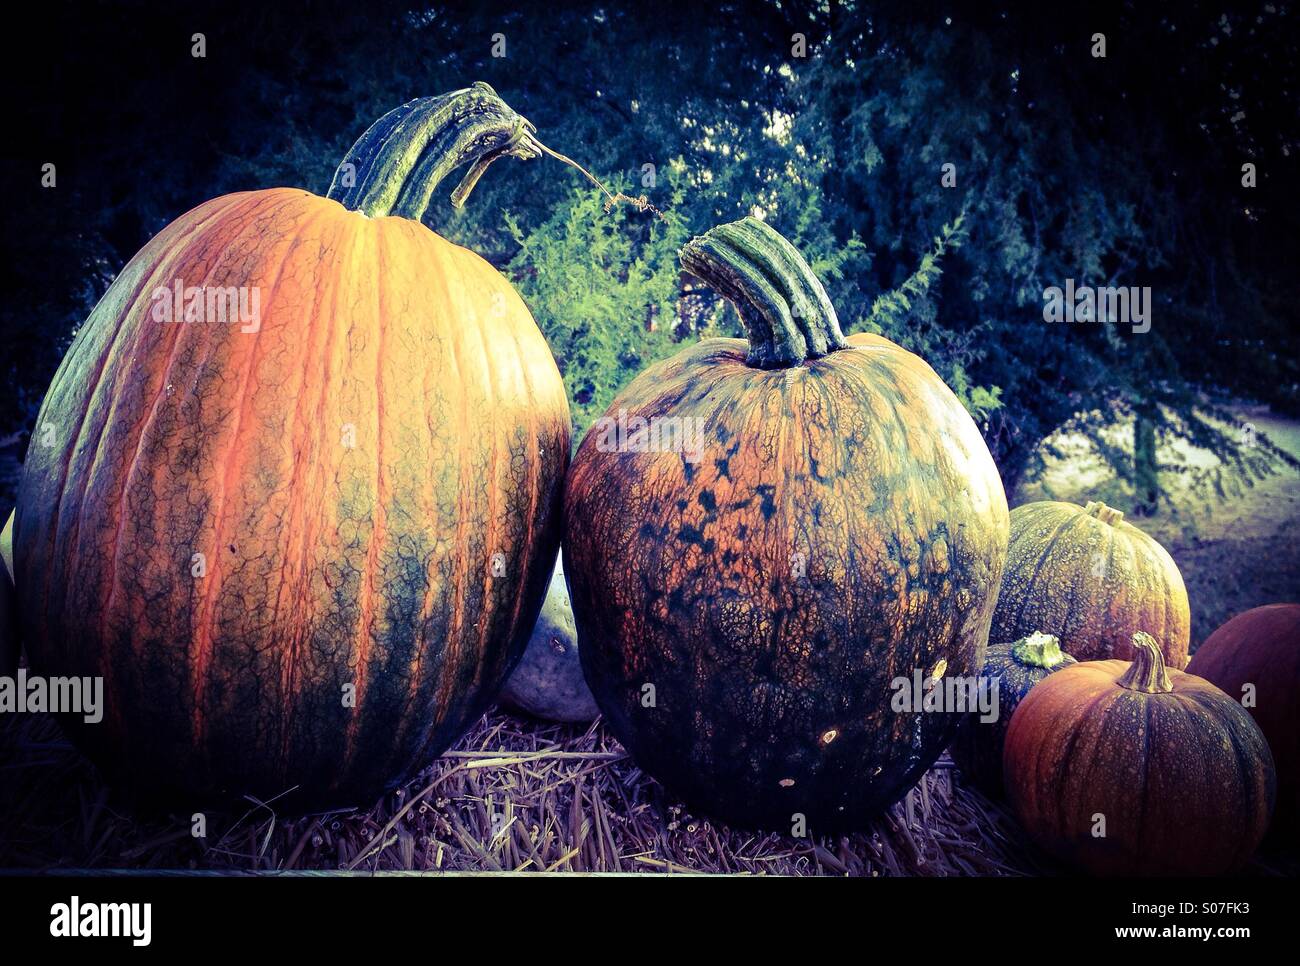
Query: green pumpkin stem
[786, 312]
[1147, 672]
[1038, 650]
[1104, 513]
[395, 166]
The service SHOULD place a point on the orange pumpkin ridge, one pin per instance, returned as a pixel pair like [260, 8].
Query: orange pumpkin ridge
[347, 467]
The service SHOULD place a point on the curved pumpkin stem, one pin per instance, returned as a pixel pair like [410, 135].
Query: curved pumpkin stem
[784, 307]
[395, 166]
[1038, 650]
[1104, 513]
[1147, 672]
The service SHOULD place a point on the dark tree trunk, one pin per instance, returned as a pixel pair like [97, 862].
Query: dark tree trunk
[1146, 479]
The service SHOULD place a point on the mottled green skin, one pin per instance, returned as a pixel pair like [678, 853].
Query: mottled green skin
[772, 690]
[977, 749]
[1093, 580]
[371, 477]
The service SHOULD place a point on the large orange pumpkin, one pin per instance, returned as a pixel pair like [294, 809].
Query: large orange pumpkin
[1093, 580]
[1134, 769]
[1255, 658]
[827, 525]
[302, 549]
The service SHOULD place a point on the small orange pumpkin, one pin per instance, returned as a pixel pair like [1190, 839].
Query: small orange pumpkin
[1258, 654]
[1132, 769]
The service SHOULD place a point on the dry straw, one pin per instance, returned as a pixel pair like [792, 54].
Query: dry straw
[512, 796]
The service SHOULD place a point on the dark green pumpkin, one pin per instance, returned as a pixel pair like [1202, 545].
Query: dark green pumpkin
[1013, 669]
[744, 610]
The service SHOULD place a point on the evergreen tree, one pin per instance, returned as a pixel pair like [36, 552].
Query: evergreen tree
[941, 170]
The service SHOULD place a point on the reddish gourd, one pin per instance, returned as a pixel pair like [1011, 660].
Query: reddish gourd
[789, 528]
[1255, 658]
[302, 535]
[1093, 580]
[1130, 768]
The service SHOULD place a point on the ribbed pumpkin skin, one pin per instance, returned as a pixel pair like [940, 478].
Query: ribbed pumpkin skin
[9, 649]
[772, 691]
[1184, 779]
[1262, 647]
[1090, 583]
[327, 564]
[977, 749]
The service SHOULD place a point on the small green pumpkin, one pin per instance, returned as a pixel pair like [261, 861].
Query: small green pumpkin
[547, 682]
[1013, 669]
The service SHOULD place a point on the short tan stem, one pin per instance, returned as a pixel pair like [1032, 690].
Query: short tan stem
[1147, 672]
[1104, 513]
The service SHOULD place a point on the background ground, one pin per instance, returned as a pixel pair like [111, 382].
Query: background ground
[1236, 550]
